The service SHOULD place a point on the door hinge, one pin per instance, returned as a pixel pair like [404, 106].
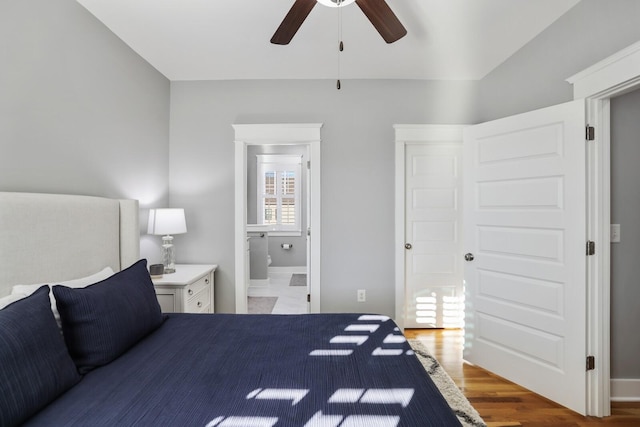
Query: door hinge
[591, 363]
[591, 247]
[308, 164]
[308, 297]
[591, 133]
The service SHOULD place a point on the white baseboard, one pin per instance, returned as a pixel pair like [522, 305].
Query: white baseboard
[289, 270]
[625, 390]
[260, 283]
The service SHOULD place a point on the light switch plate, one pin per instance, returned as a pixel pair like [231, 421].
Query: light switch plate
[615, 233]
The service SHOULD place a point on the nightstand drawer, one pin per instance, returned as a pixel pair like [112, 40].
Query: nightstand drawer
[199, 302]
[197, 286]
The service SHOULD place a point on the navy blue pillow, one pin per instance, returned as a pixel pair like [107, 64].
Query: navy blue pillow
[103, 320]
[35, 366]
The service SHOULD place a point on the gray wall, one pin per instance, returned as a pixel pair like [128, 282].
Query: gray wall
[357, 180]
[625, 210]
[534, 77]
[80, 112]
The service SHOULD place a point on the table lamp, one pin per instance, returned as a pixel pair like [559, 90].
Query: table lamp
[165, 222]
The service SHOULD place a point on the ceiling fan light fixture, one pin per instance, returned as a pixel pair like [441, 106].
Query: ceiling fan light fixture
[335, 3]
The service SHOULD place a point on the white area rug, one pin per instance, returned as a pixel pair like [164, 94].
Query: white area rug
[466, 413]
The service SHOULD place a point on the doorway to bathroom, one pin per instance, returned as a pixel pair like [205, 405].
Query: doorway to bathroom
[277, 226]
[277, 223]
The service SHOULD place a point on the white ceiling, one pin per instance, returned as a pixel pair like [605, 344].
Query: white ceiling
[229, 39]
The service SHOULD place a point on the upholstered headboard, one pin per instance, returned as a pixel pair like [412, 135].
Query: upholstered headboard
[51, 237]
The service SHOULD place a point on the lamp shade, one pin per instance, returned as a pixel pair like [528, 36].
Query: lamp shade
[167, 221]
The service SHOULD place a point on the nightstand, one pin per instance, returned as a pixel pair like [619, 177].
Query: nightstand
[189, 290]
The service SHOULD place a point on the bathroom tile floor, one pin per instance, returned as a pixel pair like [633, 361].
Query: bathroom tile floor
[291, 299]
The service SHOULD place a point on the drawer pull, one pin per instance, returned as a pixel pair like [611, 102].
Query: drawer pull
[199, 304]
[190, 291]
[206, 280]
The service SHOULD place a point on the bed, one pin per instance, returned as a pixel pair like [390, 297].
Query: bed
[111, 358]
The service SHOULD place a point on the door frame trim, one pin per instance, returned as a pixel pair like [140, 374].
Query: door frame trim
[613, 76]
[276, 134]
[406, 134]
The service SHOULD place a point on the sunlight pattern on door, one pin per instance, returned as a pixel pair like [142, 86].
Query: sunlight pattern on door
[442, 308]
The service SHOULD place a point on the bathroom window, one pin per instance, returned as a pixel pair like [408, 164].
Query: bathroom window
[279, 181]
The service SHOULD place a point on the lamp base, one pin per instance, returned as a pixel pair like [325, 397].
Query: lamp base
[168, 255]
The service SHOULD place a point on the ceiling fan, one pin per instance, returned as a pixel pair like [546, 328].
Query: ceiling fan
[377, 11]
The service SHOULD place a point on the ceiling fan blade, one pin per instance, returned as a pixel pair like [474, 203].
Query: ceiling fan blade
[383, 19]
[292, 22]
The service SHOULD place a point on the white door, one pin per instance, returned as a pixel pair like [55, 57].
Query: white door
[433, 235]
[525, 226]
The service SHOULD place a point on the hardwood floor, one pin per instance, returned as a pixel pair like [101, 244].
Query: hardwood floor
[503, 403]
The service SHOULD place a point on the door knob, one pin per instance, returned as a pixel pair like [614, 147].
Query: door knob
[407, 246]
[468, 257]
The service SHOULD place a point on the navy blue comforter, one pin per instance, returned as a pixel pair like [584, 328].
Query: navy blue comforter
[258, 370]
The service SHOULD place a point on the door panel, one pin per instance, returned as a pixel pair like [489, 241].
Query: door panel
[433, 224]
[525, 222]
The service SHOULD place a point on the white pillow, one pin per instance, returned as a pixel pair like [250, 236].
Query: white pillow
[5, 301]
[83, 282]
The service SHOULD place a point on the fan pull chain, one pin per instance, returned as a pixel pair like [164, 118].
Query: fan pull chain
[340, 49]
[341, 44]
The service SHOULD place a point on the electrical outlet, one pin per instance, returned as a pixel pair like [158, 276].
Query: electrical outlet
[615, 233]
[362, 295]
